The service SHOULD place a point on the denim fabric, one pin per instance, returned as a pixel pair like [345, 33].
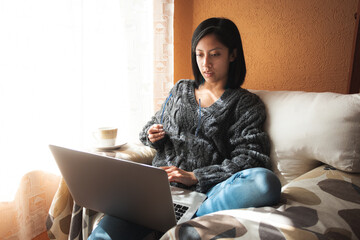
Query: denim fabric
[254, 187]
[112, 228]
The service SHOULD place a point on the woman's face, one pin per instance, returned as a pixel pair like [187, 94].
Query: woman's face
[213, 59]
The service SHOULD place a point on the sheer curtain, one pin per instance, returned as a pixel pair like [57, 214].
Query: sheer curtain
[70, 66]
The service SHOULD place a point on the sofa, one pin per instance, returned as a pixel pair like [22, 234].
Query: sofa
[315, 152]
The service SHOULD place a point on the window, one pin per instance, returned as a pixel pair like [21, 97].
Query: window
[67, 67]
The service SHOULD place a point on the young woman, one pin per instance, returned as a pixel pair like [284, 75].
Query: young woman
[209, 133]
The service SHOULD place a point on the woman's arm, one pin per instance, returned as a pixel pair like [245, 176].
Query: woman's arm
[153, 134]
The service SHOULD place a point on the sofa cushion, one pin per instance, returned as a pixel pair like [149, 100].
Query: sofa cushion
[307, 128]
[136, 152]
[321, 204]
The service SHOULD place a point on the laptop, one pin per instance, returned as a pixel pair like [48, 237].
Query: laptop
[131, 191]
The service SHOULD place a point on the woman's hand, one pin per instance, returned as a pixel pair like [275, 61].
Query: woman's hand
[156, 132]
[181, 176]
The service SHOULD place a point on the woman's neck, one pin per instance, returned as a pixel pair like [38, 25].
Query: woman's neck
[214, 88]
[209, 93]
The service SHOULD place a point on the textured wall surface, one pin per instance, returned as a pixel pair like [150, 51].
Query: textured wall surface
[183, 28]
[288, 44]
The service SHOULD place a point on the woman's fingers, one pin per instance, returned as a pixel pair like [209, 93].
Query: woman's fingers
[156, 128]
[156, 132]
[156, 136]
[178, 175]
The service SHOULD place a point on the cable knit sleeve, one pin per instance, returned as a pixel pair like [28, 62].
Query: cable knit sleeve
[156, 119]
[248, 144]
[143, 136]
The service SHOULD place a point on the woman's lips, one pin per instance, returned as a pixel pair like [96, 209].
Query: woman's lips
[208, 74]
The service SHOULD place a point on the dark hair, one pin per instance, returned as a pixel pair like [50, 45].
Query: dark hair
[228, 34]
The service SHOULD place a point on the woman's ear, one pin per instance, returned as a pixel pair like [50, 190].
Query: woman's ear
[233, 55]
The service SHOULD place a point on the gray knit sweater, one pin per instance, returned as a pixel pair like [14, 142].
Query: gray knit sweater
[213, 142]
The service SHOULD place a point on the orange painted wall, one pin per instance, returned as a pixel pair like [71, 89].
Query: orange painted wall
[289, 45]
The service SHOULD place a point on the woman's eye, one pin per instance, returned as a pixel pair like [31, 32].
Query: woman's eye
[211, 55]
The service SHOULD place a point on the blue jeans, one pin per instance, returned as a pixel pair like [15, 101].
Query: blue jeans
[254, 187]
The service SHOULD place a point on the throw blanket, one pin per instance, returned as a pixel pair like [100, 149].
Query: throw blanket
[321, 204]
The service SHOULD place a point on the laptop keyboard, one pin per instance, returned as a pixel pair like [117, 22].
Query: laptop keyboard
[179, 210]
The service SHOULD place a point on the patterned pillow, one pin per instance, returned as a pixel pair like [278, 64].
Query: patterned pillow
[308, 128]
[321, 204]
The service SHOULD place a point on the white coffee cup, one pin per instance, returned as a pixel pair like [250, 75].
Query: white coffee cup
[105, 136]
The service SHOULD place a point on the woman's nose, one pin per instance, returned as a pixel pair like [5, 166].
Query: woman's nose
[206, 61]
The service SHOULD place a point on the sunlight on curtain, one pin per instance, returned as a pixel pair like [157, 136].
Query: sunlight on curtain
[163, 50]
[66, 68]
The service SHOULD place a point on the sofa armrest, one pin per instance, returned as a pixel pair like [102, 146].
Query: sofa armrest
[136, 152]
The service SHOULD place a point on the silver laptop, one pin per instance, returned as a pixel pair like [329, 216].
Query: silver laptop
[134, 192]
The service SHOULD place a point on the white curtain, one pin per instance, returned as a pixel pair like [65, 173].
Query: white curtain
[66, 68]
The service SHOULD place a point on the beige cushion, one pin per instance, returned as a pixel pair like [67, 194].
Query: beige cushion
[136, 152]
[308, 128]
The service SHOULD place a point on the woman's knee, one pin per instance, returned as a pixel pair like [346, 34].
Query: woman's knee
[267, 184]
[254, 187]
